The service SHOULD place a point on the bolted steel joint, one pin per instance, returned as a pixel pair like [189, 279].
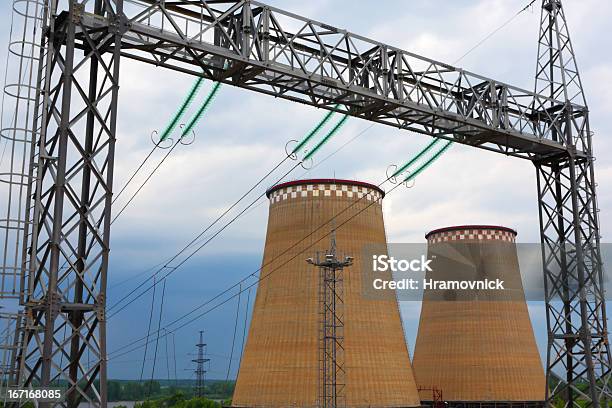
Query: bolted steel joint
[119, 24]
[101, 307]
[77, 11]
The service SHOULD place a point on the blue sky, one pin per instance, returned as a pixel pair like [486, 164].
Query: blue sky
[244, 134]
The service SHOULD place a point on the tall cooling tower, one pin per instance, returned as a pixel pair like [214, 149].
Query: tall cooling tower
[280, 366]
[477, 346]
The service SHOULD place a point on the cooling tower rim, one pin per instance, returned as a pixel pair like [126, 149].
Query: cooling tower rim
[470, 227]
[324, 181]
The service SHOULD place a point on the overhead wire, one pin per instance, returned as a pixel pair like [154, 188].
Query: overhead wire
[229, 364]
[419, 155]
[427, 163]
[244, 327]
[163, 136]
[310, 154]
[167, 361]
[148, 333]
[413, 174]
[133, 196]
[341, 147]
[135, 172]
[122, 351]
[409, 177]
[195, 240]
[161, 310]
[270, 261]
[166, 132]
[492, 33]
[482, 41]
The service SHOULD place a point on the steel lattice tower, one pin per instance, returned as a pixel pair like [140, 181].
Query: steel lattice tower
[200, 370]
[332, 370]
[68, 226]
[576, 318]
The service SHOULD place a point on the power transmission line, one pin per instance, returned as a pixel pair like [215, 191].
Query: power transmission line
[309, 154]
[148, 332]
[197, 249]
[258, 270]
[410, 176]
[146, 181]
[403, 168]
[167, 361]
[229, 364]
[161, 310]
[449, 143]
[244, 328]
[492, 33]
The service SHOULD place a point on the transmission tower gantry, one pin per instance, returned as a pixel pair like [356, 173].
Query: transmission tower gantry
[265, 49]
[67, 219]
[573, 276]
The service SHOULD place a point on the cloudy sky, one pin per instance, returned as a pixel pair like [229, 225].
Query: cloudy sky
[243, 135]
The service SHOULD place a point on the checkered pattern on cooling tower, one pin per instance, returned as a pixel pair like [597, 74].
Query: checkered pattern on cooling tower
[325, 190]
[472, 234]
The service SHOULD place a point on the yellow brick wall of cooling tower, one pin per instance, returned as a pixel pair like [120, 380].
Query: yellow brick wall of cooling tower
[481, 350]
[280, 365]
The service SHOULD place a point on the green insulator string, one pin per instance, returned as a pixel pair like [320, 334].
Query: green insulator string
[425, 150]
[315, 130]
[429, 161]
[181, 111]
[198, 115]
[328, 136]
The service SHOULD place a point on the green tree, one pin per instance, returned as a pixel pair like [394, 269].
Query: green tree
[114, 390]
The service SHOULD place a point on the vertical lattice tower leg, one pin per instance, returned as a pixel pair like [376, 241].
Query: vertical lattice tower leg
[322, 344]
[338, 336]
[66, 266]
[578, 363]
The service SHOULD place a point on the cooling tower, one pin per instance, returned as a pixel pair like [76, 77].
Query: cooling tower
[477, 346]
[280, 365]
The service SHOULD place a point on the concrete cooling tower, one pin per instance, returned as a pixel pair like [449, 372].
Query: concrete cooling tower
[477, 346]
[281, 361]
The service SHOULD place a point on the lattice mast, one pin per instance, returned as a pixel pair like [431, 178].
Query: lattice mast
[577, 328]
[68, 213]
[332, 371]
[200, 370]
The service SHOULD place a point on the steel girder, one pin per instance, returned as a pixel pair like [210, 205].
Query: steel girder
[72, 165]
[262, 48]
[576, 317]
